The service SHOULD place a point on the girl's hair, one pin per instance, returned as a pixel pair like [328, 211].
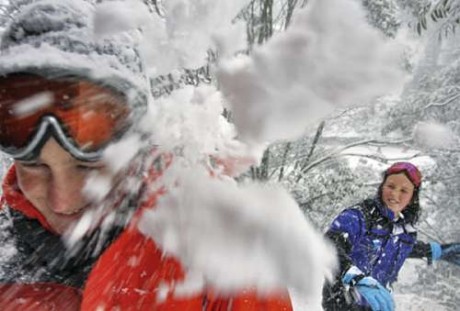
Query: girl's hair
[412, 211]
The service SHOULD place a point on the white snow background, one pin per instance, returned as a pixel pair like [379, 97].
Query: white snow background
[231, 235]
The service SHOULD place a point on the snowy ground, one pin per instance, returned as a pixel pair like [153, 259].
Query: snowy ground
[412, 302]
[404, 302]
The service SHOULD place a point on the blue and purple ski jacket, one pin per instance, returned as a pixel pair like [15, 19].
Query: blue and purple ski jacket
[369, 237]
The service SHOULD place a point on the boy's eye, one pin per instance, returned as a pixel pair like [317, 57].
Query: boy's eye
[84, 167]
[33, 165]
[90, 167]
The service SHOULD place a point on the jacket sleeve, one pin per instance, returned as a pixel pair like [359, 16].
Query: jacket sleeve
[421, 250]
[345, 231]
[39, 296]
[250, 301]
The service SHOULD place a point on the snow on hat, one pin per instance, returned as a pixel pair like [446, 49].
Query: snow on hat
[55, 38]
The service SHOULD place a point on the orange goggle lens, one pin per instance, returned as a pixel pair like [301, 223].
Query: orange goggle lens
[90, 115]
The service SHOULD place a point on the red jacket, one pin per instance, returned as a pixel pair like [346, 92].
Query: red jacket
[128, 275]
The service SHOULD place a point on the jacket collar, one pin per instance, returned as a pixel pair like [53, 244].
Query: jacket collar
[384, 211]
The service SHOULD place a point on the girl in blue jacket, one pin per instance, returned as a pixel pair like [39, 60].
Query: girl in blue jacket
[373, 240]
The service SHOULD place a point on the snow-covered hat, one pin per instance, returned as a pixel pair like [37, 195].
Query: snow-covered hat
[56, 38]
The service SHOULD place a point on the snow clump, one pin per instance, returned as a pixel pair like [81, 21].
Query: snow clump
[434, 135]
[232, 236]
[329, 57]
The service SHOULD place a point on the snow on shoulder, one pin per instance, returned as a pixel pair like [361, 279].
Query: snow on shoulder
[232, 236]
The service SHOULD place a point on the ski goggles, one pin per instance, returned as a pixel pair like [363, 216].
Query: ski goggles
[411, 170]
[83, 117]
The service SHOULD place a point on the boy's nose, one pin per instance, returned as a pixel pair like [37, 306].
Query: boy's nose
[64, 196]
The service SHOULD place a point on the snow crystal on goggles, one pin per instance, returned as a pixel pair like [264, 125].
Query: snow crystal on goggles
[83, 117]
[411, 170]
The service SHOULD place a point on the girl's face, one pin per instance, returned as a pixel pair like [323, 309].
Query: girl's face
[53, 183]
[397, 192]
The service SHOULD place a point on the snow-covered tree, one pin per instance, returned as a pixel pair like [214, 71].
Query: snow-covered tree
[383, 15]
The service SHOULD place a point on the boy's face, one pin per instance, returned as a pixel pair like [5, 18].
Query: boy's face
[53, 183]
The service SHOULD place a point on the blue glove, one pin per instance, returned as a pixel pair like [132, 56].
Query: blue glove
[436, 250]
[377, 296]
[369, 289]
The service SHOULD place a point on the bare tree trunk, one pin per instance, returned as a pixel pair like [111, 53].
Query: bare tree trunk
[155, 6]
[261, 172]
[319, 132]
[251, 22]
[291, 4]
[266, 21]
[286, 152]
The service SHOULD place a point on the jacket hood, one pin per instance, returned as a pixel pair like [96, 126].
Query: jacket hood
[14, 198]
[62, 33]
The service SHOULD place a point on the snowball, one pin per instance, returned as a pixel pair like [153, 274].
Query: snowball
[190, 122]
[188, 29]
[329, 57]
[97, 187]
[433, 135]
[114, 17]
[118, 155]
